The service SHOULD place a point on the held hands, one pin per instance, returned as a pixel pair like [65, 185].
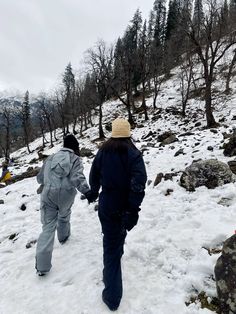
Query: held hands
[91, 196]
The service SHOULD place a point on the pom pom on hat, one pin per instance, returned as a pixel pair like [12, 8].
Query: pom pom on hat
[120, 128]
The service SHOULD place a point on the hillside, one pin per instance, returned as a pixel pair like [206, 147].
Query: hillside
[166, 260]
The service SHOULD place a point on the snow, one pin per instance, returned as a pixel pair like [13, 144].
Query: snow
[166, 258]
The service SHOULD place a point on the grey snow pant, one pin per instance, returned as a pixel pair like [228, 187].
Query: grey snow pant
[55, 215]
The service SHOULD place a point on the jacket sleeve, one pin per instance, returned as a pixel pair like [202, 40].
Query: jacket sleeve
[40, 175]
[137, 183]
[94, 176]
[77, 177]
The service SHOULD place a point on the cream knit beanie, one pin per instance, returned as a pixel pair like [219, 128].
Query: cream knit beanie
[120, 128]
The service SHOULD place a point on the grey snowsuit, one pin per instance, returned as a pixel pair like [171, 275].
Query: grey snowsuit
[61, 175]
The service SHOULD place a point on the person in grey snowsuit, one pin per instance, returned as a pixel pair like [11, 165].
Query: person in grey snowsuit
[60, 176]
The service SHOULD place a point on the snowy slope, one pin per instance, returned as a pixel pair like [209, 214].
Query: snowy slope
[166, 259]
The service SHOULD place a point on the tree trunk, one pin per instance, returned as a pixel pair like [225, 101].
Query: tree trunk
[26, 138]
[90, 118]
[55, 135]
[74, 126]
[184, 103]
[43, 136]
[130, 117]
[155, 98]
[144, 101]
[85, 121]
[229, 75]
[81, 125]
[101, 133]
[211, 123]
[7, 152]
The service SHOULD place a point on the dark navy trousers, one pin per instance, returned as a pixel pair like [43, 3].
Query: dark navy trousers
[113, 248]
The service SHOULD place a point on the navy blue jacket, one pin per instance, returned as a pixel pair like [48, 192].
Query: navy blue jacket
[122, 177]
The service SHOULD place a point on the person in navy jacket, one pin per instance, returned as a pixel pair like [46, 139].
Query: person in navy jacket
[119, 170]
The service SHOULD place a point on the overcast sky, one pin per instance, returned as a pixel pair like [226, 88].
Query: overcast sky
[39, 37]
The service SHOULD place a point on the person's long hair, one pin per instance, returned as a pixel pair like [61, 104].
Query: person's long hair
[118, 145]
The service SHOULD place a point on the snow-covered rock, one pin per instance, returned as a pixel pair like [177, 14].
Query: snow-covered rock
[210, 173]
[225, 274]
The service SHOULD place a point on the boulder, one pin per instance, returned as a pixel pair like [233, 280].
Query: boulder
[210, 173]
[169, 140]
[225, 275]
[232, 165]
[158, 178]
[230, 147]
[164, 136]
[86, 152]
[179, 152]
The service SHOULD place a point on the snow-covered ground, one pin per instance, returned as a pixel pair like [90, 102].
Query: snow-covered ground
[166, 259]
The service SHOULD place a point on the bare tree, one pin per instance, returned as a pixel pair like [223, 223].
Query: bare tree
[99, 59]
[229, 75]
[24, 115]
[5, 123]
[211, 45]
[186, 78]
[46, 115]
[61, 109]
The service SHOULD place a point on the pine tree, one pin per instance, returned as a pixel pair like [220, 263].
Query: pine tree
[172, 19]
[198, 17]
[69, 108]
[151, 25]
[134, 33]
[26, 108]
[143, 55]
[186, 13]
[25, 118]
[136, 25]
[69, 78]
[156, 35]
[118, 70]
[159, 9]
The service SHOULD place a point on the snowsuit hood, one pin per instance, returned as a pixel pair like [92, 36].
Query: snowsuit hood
[63, 170]
[60, 164]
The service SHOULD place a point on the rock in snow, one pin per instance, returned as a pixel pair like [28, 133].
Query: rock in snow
[210, 173]
[225, 274]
